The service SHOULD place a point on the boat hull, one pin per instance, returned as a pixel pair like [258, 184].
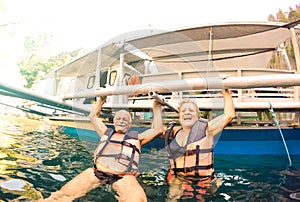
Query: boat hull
[247, 141]
[259, 141]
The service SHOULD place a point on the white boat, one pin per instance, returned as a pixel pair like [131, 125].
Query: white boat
[177, 64]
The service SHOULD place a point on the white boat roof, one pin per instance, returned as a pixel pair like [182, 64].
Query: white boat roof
[238, 45]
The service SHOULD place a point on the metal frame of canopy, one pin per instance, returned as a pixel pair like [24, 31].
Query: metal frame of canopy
[188, 49]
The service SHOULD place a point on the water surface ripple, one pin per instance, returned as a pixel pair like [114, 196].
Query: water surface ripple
[37, 159]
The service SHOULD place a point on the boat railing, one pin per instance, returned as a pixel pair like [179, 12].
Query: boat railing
[204, 97]
[275, 93]
[246, 95]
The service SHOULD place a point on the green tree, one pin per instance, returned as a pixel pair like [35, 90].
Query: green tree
[290, 16]
[36, 60]
[294, 14]
[32, 61]
[281, 16]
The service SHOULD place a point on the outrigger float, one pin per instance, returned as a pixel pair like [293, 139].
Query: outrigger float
[262, 60]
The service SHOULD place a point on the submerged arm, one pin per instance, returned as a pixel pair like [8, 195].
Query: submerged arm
[97, 123]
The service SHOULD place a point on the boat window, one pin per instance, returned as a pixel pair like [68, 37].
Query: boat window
[91, 82]
[112, 77]
[103, 78]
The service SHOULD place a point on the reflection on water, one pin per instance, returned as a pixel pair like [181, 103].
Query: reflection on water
[36, 159]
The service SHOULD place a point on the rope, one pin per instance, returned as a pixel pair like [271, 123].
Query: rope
[282, 137]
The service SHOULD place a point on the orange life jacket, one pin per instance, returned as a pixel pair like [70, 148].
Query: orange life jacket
[132, 165]
[174, 150]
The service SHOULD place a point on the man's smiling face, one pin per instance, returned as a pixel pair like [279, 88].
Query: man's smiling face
[122, 121]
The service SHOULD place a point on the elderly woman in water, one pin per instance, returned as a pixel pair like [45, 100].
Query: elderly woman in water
[190, 150]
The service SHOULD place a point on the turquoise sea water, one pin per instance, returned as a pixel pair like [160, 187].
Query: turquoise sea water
[37, 159]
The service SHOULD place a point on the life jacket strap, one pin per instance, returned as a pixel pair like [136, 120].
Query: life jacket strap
[197, 160]
[191, 169]
[132, 157]
[119, 156]
[168, 132]
[127, 144]
[195, 151]
[167, 136]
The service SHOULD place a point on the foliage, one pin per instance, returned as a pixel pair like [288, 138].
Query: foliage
[291, 16]
[36, 61]
[287, 17]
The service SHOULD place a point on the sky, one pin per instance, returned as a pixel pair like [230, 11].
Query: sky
[88, 23]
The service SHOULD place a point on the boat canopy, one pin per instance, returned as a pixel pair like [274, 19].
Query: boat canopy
[204, 48]
[181, 63]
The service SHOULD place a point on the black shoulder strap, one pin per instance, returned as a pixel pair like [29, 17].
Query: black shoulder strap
[168, 133]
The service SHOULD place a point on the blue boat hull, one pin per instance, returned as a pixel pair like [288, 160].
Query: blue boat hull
[251, 141]
[258, 141]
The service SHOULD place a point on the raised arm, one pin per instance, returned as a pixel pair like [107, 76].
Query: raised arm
[97, 123]
[216, 125]
[156, 127]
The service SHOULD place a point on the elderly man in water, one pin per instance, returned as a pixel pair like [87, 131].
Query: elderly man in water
[116, 158]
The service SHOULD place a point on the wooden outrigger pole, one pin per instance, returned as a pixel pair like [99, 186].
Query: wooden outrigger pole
[245, 82]
[24, 93]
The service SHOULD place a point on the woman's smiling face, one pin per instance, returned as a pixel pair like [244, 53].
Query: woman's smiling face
[188, 114]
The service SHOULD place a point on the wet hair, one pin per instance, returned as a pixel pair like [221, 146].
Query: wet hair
[188, 101]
